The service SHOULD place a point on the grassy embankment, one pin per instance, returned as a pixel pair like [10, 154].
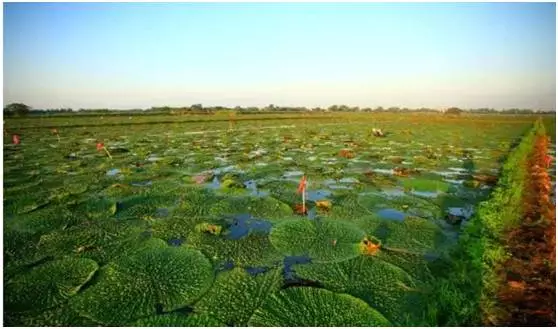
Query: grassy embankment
[466, 292]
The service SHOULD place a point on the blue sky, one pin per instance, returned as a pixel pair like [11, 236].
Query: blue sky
[138, 55]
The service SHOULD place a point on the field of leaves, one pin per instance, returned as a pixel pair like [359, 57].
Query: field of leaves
[200, 224]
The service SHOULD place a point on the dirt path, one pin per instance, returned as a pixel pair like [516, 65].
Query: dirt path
[528, 295]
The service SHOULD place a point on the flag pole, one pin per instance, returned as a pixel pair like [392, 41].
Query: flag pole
[304, 196]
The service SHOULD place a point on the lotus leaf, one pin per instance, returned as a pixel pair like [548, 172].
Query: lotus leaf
[96, 208]
[323, 241]
[177, 320]
[137, 285]
[60, 316]
[268, 207]
[236, 295]
[312, 307]
[251, 250]
[101, 241]
[420, 184]
[383, 285]
[48, 284]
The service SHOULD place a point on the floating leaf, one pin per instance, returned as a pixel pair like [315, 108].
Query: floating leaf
[251, 250]
[312, 307]
[268, 208]
[420, 184]
[96, 208]
[235, 295]
[60, 316]
[384, 286]
[49, 284]
[135, 286]
[314, 239]
[101, 241]
[177, 320]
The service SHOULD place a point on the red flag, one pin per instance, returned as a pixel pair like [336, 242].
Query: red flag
[100, 146]
[15, 139]
[301, 185]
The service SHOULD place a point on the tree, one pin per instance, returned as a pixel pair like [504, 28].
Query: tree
[454, 110]
[19, 109]
[196, 107]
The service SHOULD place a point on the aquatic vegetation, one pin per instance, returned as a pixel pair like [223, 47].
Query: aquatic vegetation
[254, 249]
[134, 286]
[267, 207]
[236, 294]
[177, 320]
[315, 239]
[384, 286]
[193, 224]
[48, 285]
[62, 315]
[305, 306]
[100, 241]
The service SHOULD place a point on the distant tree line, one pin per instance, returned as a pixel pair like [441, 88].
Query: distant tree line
[19, 109]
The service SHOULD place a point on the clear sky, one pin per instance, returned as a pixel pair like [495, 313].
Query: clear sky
[138, 55]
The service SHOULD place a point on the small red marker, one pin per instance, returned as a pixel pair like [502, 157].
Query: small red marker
[15, 139]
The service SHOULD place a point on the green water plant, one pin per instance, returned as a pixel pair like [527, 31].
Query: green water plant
[236, 294]
[306, 306]
[323, 241]
[49, 284]
[155, 277]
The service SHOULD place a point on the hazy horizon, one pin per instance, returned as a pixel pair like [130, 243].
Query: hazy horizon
[138, 55]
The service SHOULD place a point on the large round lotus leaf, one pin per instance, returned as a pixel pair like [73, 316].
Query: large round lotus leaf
[44, 220]
[268, 208]
[49, 284]
[421, 184]
[235, 295]
[284, 191]
[174, 227]
[60, 316]
[138, 285]
[100, 241]
[96, 208]
[384, 286]
[145, 206]
[178, 320]
[26, 202]
[348, 207]
[413, 235]
[196, 202]
[19, 244]
[416, 264]
[323, 241]
[312, 307]
[251, 250]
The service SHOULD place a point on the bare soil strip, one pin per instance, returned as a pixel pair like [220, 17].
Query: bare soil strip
[528, 295]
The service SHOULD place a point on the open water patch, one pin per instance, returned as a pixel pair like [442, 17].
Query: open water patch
[426, 194]
[253, 271]
[175, 242]
[142, 184]
[288, 262]
[391, 214]
[244, 224]
[113, 172]
[252, 186]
